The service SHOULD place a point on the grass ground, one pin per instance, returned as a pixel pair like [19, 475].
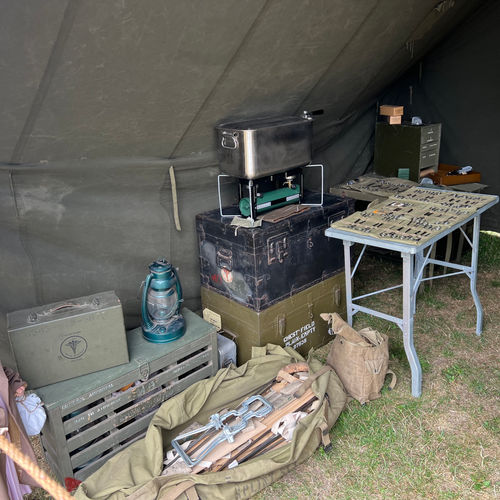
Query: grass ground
[443, 445]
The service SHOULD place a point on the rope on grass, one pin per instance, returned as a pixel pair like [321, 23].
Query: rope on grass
[46, 482]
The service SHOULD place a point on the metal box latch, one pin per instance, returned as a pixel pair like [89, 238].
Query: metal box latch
[224, 259]
[144, 370]
[277, 248]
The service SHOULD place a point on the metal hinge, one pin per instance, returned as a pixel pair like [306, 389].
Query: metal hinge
[337, 296]
[310, 306]
[281, 325]
[224, 259]
[277, 248]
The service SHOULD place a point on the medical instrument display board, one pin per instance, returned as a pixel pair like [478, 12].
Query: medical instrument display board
[415, 215]
[378, 186]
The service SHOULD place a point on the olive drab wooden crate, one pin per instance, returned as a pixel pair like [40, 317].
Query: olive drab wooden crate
[293, 322]
[92, 417]
[258, 267]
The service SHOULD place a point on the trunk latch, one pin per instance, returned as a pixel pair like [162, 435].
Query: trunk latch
[224, 259]
[277, 248]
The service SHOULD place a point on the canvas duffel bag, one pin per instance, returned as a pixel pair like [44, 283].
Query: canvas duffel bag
[135, 473]
[360, 359]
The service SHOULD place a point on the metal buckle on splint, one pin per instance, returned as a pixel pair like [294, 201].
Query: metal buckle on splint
[227, 432]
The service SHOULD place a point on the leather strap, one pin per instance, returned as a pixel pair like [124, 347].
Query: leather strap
[393, 381]
[309, 380]
[186, 487]
[173, 187]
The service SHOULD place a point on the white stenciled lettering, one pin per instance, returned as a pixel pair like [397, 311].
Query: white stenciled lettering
[299, 343]
[299, 337]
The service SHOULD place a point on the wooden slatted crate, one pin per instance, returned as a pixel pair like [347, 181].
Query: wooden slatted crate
[91, 418]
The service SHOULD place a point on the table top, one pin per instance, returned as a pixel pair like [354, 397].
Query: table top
[371, 187]
[411, 220]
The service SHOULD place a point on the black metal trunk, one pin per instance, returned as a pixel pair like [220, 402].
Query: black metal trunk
[260, 266]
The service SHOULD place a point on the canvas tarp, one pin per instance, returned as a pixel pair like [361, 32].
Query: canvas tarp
[135, 472]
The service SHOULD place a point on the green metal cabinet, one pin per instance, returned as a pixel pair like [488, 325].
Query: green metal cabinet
[415, 147]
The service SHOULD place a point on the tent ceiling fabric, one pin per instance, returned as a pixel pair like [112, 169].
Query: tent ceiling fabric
[151, 78]
[99, 99]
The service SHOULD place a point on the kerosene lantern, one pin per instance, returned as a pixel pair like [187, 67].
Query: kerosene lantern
[161, 302]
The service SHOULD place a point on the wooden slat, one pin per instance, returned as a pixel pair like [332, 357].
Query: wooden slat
[114, 439]
[113, 402]
[225, 448]
[126, 415]
[267, 422]
[168, 361]
[85, 472]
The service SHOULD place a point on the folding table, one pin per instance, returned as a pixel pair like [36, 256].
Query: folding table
[415, 253]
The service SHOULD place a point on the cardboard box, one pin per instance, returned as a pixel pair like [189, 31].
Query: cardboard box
[394, 120]
[388, 110]
[67, 339]
[442, 176]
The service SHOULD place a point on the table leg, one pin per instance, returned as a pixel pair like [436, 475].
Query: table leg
[408, 308]
[447, 255]
[431, 266]
[473, 275]
[348, 280]
[460, 247]
[419, 259]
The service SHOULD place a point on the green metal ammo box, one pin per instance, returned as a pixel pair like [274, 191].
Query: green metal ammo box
[67, 339]
[294, 321]
[93, 417]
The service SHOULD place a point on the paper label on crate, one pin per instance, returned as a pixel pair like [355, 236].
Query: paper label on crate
[212, 318]
[299, 336]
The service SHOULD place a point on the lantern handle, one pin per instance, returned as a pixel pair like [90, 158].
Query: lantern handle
[179, 290]
[145, 318]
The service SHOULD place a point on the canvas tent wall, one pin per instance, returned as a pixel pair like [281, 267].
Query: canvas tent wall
[456, 85]
[99, 99]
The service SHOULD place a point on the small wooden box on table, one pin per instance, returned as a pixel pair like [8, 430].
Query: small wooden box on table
[442, 176]
[93, 417]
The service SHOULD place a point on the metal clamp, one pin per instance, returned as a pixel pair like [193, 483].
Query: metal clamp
[322, 186]
[227, 433]
[220, 197]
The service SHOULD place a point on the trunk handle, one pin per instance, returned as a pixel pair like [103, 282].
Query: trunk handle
[33, 316]
[229, 140]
